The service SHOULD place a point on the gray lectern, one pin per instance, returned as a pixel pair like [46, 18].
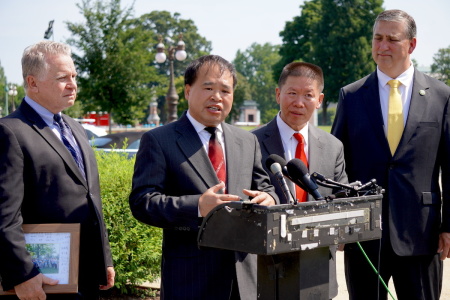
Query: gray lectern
[292, 241]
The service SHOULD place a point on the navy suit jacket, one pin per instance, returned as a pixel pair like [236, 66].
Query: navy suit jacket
[413, 200]
[41, 183]
[172, 171]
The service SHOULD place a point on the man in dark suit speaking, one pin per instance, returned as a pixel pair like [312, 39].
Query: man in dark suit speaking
[48, 174]
[185, 169]
[395, 127]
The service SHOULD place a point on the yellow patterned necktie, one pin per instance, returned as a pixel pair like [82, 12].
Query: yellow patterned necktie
[395, 116]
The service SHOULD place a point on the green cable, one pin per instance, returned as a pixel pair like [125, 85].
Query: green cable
[375, 270]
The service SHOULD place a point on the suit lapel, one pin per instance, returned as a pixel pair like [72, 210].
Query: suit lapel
[47, 134]
[371, 98]
[234, 155]
[191, 146]
[272, 141]
[417, 107]
[315, 146]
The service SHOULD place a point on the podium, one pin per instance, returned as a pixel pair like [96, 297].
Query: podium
[292, 241]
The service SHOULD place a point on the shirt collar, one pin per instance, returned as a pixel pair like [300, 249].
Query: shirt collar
[199, 126]
[45, 114]
[406, 78]
[287, 132]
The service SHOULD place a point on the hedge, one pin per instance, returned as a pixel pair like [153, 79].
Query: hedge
[135, 247]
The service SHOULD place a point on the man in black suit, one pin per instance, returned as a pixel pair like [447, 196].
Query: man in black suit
[41, 182]
[175, 185]
[406, 161]
[299, 94]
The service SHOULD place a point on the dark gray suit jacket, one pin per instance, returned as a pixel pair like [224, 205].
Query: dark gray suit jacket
[326, 156]
[412, 202]
[41, 183]
[172, 171]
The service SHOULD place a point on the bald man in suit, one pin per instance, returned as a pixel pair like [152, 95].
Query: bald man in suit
[175, 185]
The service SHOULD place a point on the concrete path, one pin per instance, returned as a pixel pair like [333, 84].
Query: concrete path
[343, 293]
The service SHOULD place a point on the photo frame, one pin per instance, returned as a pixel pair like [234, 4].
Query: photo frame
[55, 251]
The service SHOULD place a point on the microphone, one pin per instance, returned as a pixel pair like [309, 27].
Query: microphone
[273, 158]
[276, 170]
[299, 174]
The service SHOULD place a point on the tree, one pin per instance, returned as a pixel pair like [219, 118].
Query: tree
[441, 65]
[2, 90]
[335, 35]
[256, 65]
[161, 24]
[113, 65]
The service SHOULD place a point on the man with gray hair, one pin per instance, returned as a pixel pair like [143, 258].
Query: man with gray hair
[395, 127]
[48, 174]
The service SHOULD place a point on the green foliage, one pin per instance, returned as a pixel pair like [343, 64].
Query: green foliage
[162, 24]
[441, 65]
[136, 247]
[256, 64]
[112, 61]
[335, 35]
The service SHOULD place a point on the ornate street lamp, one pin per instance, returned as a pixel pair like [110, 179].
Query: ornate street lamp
[13, 93]
[174, 52]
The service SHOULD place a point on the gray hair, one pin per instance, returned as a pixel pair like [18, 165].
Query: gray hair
[34, 58]
[396, 15]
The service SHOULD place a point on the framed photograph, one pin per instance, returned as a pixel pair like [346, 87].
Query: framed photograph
[54, 249]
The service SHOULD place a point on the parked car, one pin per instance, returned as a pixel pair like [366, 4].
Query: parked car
[93, 131]
[115, 142]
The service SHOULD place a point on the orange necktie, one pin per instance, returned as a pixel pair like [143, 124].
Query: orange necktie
[300, 194]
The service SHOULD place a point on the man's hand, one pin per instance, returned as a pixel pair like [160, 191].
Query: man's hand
[210, 199]
[110, 281]
[32, 288]
[259, 197]
[444, 245]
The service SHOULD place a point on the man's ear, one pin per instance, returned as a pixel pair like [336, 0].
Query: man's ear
[321, 96]
[187, 90]
[32, 84]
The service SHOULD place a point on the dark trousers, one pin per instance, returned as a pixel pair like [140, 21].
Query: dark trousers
[414, 277]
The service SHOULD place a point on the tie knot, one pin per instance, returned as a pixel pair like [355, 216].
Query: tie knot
[57, 118]
[298, 137]
[394, 83]
[211, 130]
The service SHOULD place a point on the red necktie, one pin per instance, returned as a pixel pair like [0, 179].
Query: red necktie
[215, 154]
[300, 194]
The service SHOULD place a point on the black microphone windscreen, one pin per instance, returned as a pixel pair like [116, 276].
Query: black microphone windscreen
[297, 168]
[273, 158]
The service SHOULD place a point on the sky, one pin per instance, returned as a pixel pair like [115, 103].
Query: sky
[230, 25]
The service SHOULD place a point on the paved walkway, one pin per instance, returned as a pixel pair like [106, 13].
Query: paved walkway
[343, 293]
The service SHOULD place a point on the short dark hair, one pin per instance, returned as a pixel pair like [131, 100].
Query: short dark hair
[190, 75]
[302, 69]
[397, 15]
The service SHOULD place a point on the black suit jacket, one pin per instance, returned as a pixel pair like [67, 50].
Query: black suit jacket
[413, 200]
[41, 183]
[172, 171]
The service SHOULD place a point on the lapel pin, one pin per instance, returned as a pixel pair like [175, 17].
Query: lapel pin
[422, 92]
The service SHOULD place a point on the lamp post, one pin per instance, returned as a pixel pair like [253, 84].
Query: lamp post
[174, 52]
[13, 93]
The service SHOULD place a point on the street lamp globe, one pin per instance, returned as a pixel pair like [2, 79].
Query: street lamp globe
[160, 57]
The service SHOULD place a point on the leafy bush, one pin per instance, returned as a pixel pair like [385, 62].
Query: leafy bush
[136, 247]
